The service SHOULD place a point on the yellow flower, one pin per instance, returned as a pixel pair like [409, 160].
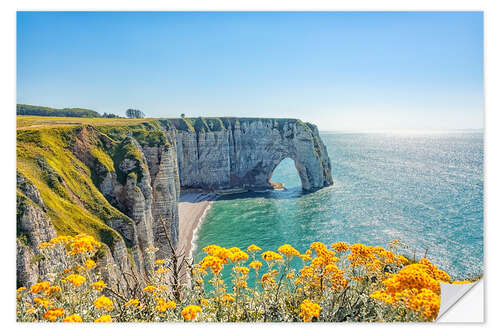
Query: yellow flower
[74, 318]
[83, 243]
[149, 289]
[20, 289]
[39, 287]
[416, 286]
[103, 303]
[227, 298]
[340, 246]
[54, 289]
[103, 319]
[305, 257]
[132, 302]
[203, 301]
[253, 248]
[255, 265]
[242, 269]
[241, 284]
[270, 255]
[43, 301]
[159, 262]
[190, 312]
[402, 260]
[268, 278]
[45, 245]
[52, 314]
[309, 310]
[215, 264]
[288, 250]
[162, 306]
[30, 310]
[235, 254]
[76, 279]
[99, 285]
[161, 270]
[90, 263]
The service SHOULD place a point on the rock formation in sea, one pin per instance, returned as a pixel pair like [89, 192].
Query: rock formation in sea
[121, 182]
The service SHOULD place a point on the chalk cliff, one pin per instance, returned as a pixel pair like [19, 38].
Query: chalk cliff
[243, 153]
[120, 181]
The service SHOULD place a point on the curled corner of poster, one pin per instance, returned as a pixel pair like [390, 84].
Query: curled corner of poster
[462, 303]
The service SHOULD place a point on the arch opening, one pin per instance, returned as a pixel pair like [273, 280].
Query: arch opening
[285, 175]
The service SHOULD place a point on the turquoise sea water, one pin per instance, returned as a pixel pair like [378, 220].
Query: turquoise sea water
[425, 189]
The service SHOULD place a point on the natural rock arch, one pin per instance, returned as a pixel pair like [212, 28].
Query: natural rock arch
[243, 155]
[276, 183]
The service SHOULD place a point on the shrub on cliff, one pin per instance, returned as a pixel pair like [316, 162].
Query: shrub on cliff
[345, 283]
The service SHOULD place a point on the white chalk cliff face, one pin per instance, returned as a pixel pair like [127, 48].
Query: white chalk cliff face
[244, 154]
[150, 167]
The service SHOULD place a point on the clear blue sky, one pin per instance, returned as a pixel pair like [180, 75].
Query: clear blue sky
[346, 71]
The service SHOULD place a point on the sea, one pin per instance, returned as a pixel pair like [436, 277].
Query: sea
[422, 188]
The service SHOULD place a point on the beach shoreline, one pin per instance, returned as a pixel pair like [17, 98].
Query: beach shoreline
[192, 209]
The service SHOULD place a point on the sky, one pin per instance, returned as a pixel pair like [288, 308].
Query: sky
[339, 70]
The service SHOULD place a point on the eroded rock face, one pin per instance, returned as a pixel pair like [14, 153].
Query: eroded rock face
[245, 153]
[33, 228]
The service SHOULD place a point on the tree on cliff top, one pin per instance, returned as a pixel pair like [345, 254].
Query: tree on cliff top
[134, 113]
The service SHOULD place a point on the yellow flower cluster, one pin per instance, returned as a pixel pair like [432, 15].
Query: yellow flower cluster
[74, 318]
[83, 243]
[162, 306]
[103, 302]
[159, 261]
[255, 265]
[329, 277]
[233, 254]
[190, 312]
[253, 248]
[340, 246]
[149, 289]
[271, 255]
[322, 271]
[309, 310]
[373, 258]
[99, 285]
[52, 314]
[53, 289]
[40, 287]
[241, 269]
[132, 302]
[227, 298]
[288, 250]
[76, 279]
[46, 303]
[323, 255]
[89, 263]
[416, 286]
[268, 278]
[306, 256]
[215, 264]
[103, 319]
[335, 276]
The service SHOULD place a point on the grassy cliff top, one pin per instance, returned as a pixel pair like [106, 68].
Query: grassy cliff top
[203, 124]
